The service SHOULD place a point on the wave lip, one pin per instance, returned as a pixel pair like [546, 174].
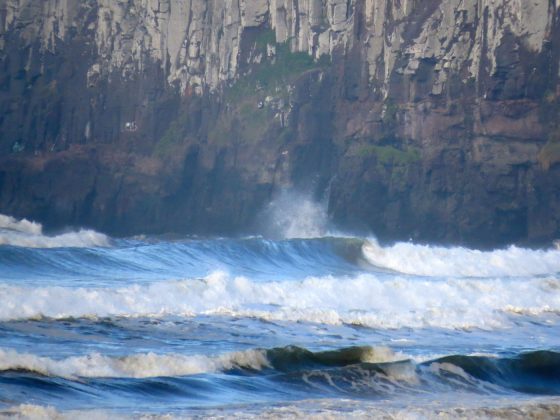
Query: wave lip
[426, 260]
[23, 233]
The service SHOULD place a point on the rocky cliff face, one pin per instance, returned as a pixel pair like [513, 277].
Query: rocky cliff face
[437, 120]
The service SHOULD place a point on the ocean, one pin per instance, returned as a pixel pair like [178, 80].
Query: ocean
[312, 323]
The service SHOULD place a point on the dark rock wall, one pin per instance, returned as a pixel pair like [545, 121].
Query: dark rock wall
[476, 162]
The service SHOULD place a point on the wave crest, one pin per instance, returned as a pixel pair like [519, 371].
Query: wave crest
[145, 365]
[23, 233]
[425, 260]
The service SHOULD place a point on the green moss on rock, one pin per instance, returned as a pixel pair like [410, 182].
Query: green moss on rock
[389, 155]
[172, 139]
[274, 72]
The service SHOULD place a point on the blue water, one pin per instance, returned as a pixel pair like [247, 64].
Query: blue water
[242, 327]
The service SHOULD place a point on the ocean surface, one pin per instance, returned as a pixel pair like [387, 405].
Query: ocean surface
[306, 324]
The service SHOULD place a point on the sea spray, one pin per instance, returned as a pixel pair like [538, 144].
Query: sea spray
[292, 214]
[23, 225]
[23, 233]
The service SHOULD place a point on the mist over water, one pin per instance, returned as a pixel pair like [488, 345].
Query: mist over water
[299, 317]
[292, 214]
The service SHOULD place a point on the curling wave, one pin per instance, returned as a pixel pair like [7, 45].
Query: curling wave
[426, 260]
[365, 299]
[355, 369]
[148, 365]
[23, 233]
[158, 260]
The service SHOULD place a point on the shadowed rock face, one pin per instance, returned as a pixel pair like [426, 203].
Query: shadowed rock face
[432, 120]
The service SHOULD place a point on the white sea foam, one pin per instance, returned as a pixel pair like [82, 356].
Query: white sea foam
[24, 233]
[446, 406]
[145, 365]
[40, 412]
[365, 299]
[443, 406]
[425, 260]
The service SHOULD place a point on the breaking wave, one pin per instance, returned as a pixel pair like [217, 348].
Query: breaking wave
[370, 300]
[311, 255]
[425, 260]
[23, 233]
[135, 366]
[355, 369]
[148, 365]
[197, 289]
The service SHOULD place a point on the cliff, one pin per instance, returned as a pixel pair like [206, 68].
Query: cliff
[436, 120]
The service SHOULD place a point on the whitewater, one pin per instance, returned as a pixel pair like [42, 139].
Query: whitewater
[303, 321]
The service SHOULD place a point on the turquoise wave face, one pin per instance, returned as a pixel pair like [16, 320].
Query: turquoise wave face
[162, 260]
[261, 259]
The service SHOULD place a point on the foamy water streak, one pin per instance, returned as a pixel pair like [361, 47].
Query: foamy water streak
[334, 409]
[24, 233]
[425, 260]
[363, 300]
